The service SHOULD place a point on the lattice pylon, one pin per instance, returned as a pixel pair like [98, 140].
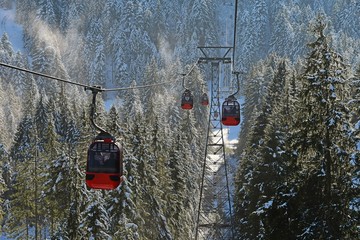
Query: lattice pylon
[214, 220]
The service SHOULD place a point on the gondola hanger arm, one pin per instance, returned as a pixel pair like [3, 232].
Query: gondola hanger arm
[95, 90]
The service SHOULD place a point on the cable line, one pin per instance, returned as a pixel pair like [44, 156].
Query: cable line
[43, 75]
[192, 68]
[141, 86]
[234, 43]
[87, 87]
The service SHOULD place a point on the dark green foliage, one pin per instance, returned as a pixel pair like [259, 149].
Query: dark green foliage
[297, 173]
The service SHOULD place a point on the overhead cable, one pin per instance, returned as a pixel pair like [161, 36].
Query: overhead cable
[234, 43]
[87, 87]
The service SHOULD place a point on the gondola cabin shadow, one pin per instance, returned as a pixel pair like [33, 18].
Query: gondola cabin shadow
[104, 164]
[187, 100]
[230, 112]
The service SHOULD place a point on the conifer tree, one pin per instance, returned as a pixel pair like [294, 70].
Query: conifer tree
[263, 162]
[122, 212]
[96, 219]
[22, 204]
[12, 113]
[179, 202]
[20, 79]
[139, 165]
[31, 95]
[3, 189]
[7, 46]
[355, 162]
[43, 126]
[249, 187]
[323, 145]
[64, 136]
[42, 61]
[120, 205]
[145, 181]
[277, 166]
[254, 90]
[202, 14]
[78, 191]
[47, 12]
[50, 156]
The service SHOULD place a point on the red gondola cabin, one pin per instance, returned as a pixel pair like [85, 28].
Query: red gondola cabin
[230, 112]
[204, 99]
[187, 100]
[104, 164]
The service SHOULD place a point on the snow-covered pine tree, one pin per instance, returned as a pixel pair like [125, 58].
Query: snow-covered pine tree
[146, 192]
[120, 206]
[123, 213]
[78, 192]
[22, 204]
[249, 187]
[345, 15]
[55, 212]
[11, 112]
[179, 208]
[3, 188]
[7, 47]
[276, 167]
[43, 125]
[154, 97]
[323, 144]
[3, 136]
[355, 159]
[160, 139]
[191, 144]
[115, 39]
[139, 164]
[95, 51]
[96, 221]
[18, 78]
[200, 19]
[46, 11]
[45, 60]
[254, 91]
[64, 136]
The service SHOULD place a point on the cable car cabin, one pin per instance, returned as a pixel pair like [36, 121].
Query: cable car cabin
[204, 99]
[187, 100]
[230, 112]
[104, 164]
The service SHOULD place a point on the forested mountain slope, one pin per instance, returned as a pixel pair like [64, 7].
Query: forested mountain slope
[298, 150]
[45, 132]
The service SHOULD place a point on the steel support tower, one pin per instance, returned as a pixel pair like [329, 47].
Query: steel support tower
[214, 219]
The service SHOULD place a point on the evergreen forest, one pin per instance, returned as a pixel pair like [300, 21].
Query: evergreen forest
[297, 152]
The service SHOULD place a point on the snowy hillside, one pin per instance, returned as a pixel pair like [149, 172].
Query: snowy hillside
[294, 162]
